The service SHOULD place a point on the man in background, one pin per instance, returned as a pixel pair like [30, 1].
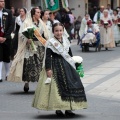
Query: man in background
[5, 37]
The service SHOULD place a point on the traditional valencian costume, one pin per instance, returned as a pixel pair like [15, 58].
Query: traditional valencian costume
[83, 27]
[27, 64]
[65, 91]
[18, 23]
[116, 28]
[107, 38]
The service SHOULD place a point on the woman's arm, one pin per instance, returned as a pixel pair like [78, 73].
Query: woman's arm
[48, 62]
[70, 52]
[48, 59]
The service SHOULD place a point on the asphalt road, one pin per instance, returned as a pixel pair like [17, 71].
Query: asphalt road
[16, 105]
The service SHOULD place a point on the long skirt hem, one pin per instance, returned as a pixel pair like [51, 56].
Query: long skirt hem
[47, 98]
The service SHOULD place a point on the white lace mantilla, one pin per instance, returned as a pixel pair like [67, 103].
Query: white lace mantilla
[61, 49]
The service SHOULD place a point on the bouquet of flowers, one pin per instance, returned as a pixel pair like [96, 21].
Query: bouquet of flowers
[78, 63]
[105, 24]
[28, 33]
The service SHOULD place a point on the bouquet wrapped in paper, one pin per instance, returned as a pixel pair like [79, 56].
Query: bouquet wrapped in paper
[28, 33]
[106, 23]
[78, 63]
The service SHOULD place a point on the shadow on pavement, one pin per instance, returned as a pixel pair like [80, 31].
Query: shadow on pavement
[54, 116]
[93, 51]
[22, 93]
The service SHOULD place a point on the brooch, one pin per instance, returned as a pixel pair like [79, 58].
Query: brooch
[55, 44]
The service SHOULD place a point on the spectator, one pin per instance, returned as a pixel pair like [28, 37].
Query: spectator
[17, 12]
[77, 28]
[6, 29]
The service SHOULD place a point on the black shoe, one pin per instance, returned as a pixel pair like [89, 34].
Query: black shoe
[106, 48]
[26, 89]
[59, 113]
[1, 80]
[69, 113]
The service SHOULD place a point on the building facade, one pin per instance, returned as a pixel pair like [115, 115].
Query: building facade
[79, 7]
[23, 3]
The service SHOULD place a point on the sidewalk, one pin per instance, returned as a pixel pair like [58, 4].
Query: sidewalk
[104, 80]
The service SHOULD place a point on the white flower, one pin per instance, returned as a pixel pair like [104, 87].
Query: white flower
[25, 30]
[12, 35]
[48, 80]
[5, 13]
[77, 59]
[30, 27]
[105, 22]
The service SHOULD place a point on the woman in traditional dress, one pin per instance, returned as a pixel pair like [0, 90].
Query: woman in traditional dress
[83, 30]
[106, 31]
[45, 17]
[116, 28]
[59, 87]
[27, 63]
[91, 37]
[84, 25]
[53, 20]
[18, 22]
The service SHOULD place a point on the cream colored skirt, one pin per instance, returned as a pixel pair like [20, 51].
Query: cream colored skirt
[47, 98]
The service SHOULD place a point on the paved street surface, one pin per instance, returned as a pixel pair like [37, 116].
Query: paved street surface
[102, 85]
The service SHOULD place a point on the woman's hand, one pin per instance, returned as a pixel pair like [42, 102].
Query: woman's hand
[29, 41]
[100, 25]
[49, 73]
[2, 40]
[105, 26]
[109, 25]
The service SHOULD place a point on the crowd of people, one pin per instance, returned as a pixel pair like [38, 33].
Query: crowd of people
[93, 24]
[45, 56]
[104, 21]
[98, 28]
[38, 44]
